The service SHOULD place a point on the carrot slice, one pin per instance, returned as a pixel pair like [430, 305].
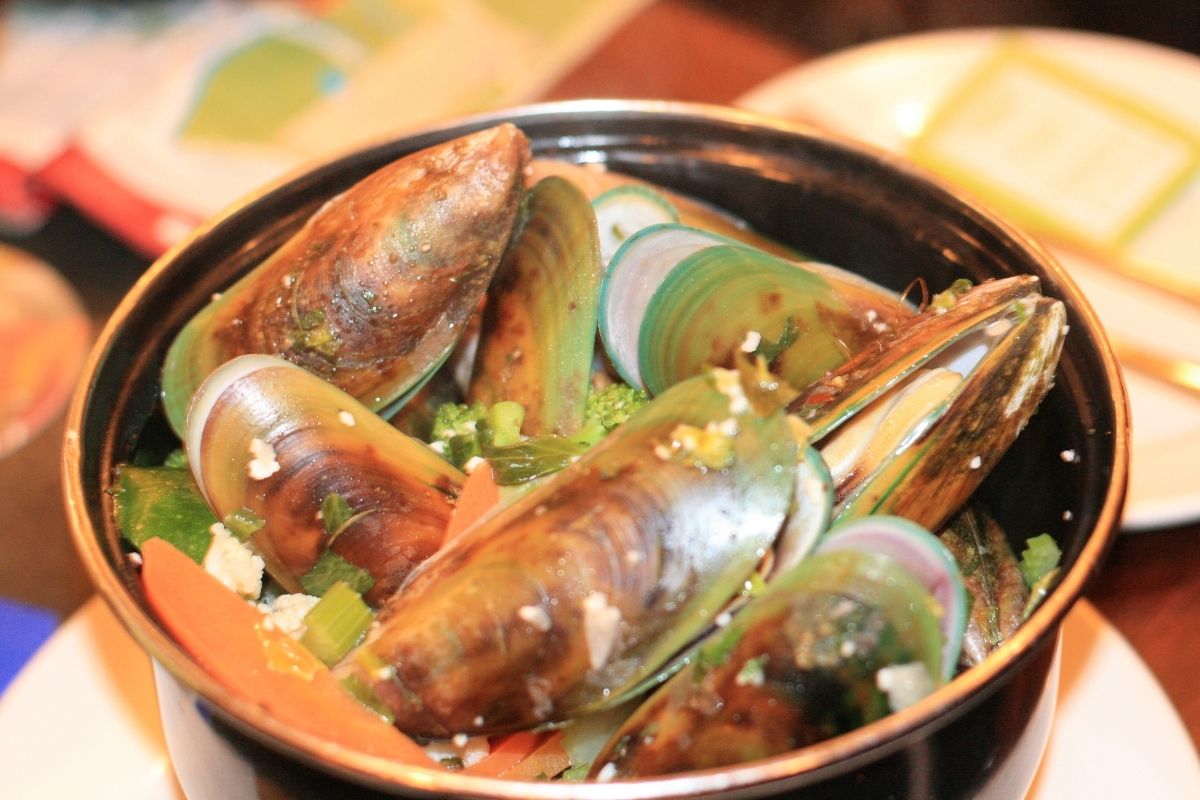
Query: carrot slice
[506, 753]
[546, 761]
[479, 494]
[266, 666]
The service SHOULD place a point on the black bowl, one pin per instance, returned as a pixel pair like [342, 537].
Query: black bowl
[838, 202]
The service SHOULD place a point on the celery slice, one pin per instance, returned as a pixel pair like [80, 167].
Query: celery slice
[336, 623]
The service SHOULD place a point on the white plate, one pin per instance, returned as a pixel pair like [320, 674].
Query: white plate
[81, 721]
[883, 92]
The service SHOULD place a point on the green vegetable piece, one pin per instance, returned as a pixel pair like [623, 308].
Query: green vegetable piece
[336, 623]
[335, 512]
[504, 421]
[461, 449]
[532, 458]
[614, 404]
[366, 695]
[770, 350]
[163, 502]
[1039, 591]
[456, 419]
[176, 459]
[330, 569]
[243, 523]
[1040, 556]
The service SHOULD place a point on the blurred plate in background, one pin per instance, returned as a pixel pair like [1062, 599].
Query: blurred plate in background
[893, 93]
[44, 336]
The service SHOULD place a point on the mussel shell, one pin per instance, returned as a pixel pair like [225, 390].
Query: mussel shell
[539, 327]
[705, 307]
[1010, 336]
[324, 442]
[797, 665]
[374, 290]
[493, 632]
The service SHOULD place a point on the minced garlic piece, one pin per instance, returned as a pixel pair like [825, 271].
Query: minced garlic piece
[904, 684]
[536, 616]
[599, 627]
[729, 383]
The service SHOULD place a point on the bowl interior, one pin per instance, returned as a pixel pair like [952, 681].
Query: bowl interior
[863, 211]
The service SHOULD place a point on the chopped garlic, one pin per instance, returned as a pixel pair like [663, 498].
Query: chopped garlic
[466, 749]
[347, 419]
[1069, 456]
[233, 563]
[751, 342]
[904, 684]
[263, 465]
[976, 462]
[600, 628]
[729, 383]
[536, 616]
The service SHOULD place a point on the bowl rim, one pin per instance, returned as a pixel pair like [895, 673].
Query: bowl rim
[824, 759]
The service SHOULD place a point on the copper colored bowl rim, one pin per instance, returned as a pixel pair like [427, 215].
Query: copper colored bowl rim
[826, 759]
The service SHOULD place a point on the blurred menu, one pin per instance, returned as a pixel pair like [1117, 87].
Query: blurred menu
[152, 116]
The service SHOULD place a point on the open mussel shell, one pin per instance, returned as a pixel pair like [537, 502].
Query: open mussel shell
[539, 327]
[561, 601]
[374, 290]
[707, 306]
[924, 557]
[808, 659]
[918, 423]
[269, 437]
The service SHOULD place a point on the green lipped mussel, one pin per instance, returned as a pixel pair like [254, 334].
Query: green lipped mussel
[912, 427]
[566, 598]
[539, 326]
[374, 290]
[269, 438]
[841, 639]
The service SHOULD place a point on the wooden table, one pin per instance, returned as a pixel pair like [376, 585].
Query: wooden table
[1149, 588]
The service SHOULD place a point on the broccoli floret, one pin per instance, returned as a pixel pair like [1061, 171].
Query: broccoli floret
[613, 404]
[456, 419]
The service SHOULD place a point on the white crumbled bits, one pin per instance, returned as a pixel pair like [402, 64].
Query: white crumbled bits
[1069, 457]
[723, 619]
[904, 684]
[751, 342]
[600, 628]
[536, 617]
[288, 611]
[729, 383]
[1068, 515]
[233, 563]
[976, 463]
[473, 463]
[464, 749]
[607, 772]
[263, 464]
[538, 689]
[347, 419]
[751, 673]
[438, 447]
